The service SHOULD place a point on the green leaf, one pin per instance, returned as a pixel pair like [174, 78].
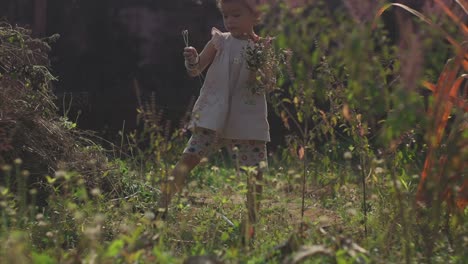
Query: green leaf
[341, 257]
[81, 194]
[315, 57]
[50, 180]
[42, 258]
[224, 236]
[115, 248]
[300, 117]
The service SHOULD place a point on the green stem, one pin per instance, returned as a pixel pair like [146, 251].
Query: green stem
[364, 192]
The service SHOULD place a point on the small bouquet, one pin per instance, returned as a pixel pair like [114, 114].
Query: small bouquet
[264, 63]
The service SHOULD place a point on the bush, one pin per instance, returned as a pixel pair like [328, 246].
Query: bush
[30, 127]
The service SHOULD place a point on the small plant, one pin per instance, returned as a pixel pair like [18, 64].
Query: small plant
[264, 63]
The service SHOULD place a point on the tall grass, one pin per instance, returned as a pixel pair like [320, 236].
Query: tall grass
[442, 187]
[344, 189]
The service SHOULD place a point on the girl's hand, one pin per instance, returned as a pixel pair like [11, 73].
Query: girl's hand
[191, 55]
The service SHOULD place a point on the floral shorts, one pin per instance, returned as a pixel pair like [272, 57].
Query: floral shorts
[204, 142]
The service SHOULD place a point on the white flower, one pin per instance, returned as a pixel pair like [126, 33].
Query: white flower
[347, 155]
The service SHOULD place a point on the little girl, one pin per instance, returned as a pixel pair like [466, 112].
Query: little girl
[227, 113]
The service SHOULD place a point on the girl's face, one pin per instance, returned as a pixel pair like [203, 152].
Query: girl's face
[238, 18]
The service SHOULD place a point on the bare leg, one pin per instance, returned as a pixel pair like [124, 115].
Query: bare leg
[176, 181]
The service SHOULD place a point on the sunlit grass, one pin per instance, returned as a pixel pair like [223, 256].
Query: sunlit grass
[206, 219]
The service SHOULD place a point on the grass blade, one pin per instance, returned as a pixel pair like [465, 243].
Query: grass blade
[453, 16]
[459, 49]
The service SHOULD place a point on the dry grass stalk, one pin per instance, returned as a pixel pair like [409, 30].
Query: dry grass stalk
[449, 94]
[30, 126]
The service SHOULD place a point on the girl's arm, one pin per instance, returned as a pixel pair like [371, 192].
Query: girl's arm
[195, 63]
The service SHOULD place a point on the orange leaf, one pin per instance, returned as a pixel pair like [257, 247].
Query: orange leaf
[445, 91]
[456, 86]
[462, 200]
[454, 17]
[405, 7]
[430, 86]
[346, 113]
[453, 97]
[421, 16]
[448, 75]
[460, 103]
[427, 166]
[284, 118]
[442, 106]
[444, 94]
[463, 4]
[301, 152]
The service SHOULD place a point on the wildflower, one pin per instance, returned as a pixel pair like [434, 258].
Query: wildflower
[378, 161]
[60, 174]
[351, 212]
[150, 215]
[124, 228]
[39, 217]
[92, 232]
[379, 170]
[263, 61]
[347, 155]
[324, 220]
[99, 218]
[6, 168]
[95, 191]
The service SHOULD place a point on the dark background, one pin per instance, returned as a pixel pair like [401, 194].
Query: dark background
[105, 45]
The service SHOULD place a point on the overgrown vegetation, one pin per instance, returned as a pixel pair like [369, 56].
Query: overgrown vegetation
[31, 127]
[364, 135]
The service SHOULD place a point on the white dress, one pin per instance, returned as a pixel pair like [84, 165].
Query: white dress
[226, 105]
